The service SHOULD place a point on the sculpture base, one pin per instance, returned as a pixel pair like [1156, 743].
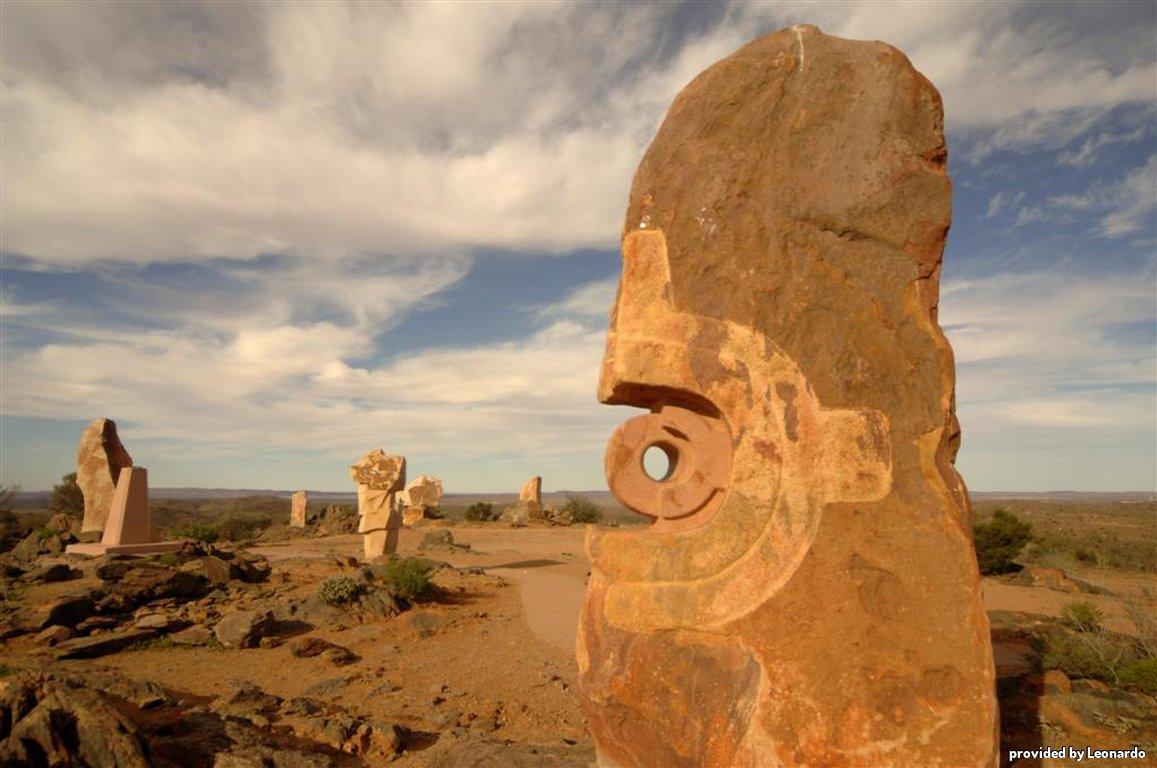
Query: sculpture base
[96, 549]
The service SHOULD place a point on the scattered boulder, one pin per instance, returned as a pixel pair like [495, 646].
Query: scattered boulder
[103, 644]
[48, 574]
[45, 722]
[194, 635]
[52, 635]
[1052, 578]
[308, 647]
[243, 629]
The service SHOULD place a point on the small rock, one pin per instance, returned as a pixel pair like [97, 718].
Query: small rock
[308, 647]
[52, 635]
[102, 645]
[50, 573]
[339, 656]
[194, 635]
[327, 688]
[243, 629]
[157, 621]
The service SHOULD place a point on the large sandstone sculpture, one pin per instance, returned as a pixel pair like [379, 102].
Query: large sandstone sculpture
[299, 502]
[100, 457]
[128, 529]
[379, 476]
[422, 494]
[807, 592]
[529, 504]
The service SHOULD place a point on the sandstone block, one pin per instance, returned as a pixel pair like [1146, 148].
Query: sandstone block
[100, 457]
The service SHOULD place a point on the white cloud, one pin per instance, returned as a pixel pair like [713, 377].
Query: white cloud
[1125, 207]
[1001, 202]
[1031, 347]
[589, 300]
[216, 130]
[1086, 154]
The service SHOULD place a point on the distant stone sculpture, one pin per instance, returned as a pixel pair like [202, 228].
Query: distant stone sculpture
[100, 457]
[298, 503]
[422, 494]
[529, 504]
[807, 592]
[379, 476]
[128, 528]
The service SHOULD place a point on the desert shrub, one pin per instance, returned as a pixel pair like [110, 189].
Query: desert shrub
[9, 524]
[241, 526]
[409, 578]
[1090, 655]
[1082, 616]
[1142, 673]
[999, 541]
[196, 531]
[67, 497]
[339, 590]
[170, 559]
[479, 511]
[582, 509]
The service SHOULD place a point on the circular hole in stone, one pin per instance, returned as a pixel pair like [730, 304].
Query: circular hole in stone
[659, 462]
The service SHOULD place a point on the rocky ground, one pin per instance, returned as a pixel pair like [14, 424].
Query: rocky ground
[229, 656]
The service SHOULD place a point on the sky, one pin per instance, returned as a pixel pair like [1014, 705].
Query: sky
[266, 238]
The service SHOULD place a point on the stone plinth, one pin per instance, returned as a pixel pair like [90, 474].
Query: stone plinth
[807, 593]
[128, 529]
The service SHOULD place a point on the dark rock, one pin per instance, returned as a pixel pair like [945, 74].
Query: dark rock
[308, 647]
[195, 635]
[51, 573]
[243, 629]
[102, 645]
[52, 635]
[46, 722]
[339, 656]
[68, 610]
[327, 688]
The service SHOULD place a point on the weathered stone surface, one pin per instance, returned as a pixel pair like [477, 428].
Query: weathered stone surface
[243, 629]
[379, 476]
[807, 593]
[532, 490]
[298, 504]
[101, 645]
[421, 495]
[100, 457]
[128, 528]
[49, 723]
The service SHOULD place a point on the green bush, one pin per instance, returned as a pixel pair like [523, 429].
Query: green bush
[999, 541]
[339, 590]
[1082, 616]
[67, 498]
[582, 509]
[409, 578]
[1142, 674]
[196, 531]
[1080, 658]
[479, 511]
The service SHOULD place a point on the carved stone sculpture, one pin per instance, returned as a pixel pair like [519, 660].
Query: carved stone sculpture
[100, 457]
[529, 504]
[379, 476]
[297, 512]
[423, 493]
[807, 592]
[128, 529]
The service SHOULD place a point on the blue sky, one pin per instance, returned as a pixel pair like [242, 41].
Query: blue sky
[267, 238]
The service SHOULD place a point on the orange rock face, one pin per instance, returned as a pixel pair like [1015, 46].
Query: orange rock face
[100, 457]
[807, 592]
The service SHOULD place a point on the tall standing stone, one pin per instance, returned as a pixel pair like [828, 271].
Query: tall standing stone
[297, 509]
[100, 457]
[379, 476]
[529, 504]
[807, 593]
